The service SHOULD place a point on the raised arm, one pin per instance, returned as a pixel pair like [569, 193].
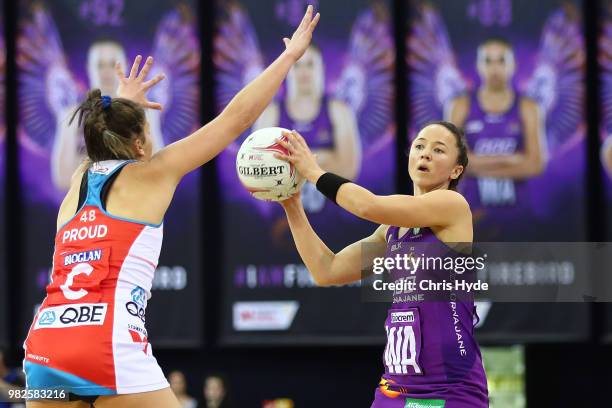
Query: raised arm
[438, 208]
[326, 267]
[185, 155]
[65, 155]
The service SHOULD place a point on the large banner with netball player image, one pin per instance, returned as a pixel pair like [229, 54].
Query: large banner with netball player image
[515, 84]
[3, 272]
[605, 93]
[65, 48]
[340, 97]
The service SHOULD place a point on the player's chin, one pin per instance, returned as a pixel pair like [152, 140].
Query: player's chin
[419, 176]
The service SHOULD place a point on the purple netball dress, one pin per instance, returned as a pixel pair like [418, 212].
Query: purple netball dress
[496, 202]
[318, 132]
[431, 358]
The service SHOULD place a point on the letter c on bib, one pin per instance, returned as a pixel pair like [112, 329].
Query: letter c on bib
[77, 270]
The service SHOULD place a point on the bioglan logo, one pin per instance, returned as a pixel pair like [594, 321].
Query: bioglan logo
[85, 256]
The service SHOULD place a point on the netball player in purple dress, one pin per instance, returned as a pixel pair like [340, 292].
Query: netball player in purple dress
[504, 132]
[432, 358]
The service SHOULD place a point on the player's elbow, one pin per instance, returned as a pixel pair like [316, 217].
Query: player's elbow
[537, 167]
[321, 280]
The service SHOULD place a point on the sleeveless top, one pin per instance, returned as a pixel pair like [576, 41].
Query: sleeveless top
[100, 253]
[103, 269]
[318, 132]
[431, 351]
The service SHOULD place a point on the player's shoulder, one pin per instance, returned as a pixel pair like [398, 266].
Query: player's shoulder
[458, 108]
[462, 98]
[451, 199]
[380, 235]
[527, 102]
[77, 175]
[335, 105]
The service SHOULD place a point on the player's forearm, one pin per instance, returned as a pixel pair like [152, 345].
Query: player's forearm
[65, 157]
[316, 255]
[207, 142]
[516, 166]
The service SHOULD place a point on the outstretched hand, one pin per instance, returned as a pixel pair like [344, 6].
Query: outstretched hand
[300, 40]
[134, 87]
[300, 156]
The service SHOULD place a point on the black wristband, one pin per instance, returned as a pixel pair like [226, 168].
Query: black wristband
[329, 183]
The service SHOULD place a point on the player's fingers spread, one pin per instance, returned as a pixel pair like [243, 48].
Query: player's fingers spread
[135, 66]
[314, 22]
[119, 70]
[283, 157]
[299, 139]
[306, 18]
[154, 81]
[154, 105]
[285, 144]
[147, 67]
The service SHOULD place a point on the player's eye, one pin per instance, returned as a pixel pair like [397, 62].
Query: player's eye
[438, 150]
[418, 146]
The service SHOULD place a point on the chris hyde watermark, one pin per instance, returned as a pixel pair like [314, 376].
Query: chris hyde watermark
[414, 273]
[426, 285]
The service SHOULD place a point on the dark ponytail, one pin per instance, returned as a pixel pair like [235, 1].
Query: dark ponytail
[110, 128]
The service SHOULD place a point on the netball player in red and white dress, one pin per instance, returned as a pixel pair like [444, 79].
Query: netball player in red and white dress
[88, 337]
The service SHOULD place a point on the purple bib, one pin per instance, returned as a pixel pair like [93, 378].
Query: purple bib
[318, 133]
[431, 351]
[490, 134]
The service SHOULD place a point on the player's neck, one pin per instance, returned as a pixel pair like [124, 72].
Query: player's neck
[496, 91]
[304, 106]
[420, 190]
[495, 100]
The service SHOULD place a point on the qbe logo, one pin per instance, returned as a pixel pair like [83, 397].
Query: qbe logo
[402, 317]
[80, 314]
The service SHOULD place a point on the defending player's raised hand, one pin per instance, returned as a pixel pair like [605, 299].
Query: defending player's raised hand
[300, 156]
[134, 87]
[300, 40]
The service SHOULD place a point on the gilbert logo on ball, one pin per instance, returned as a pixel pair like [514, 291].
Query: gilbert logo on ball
[263, 175]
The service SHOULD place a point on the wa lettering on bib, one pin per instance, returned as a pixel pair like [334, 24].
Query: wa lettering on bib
[403, 327]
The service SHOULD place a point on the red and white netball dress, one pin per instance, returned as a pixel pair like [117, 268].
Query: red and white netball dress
[89, 335]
